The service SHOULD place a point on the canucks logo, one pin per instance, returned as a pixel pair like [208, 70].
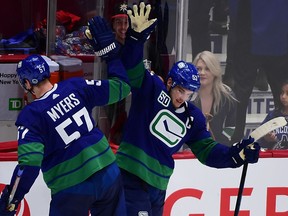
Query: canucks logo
[168, 128]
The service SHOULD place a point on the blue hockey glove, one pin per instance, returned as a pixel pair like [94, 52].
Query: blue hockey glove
[102, 38]
[246, 150]
[5, 209]
[140, 26]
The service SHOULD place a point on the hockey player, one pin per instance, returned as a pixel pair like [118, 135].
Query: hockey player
[161, 119]
[57, 134]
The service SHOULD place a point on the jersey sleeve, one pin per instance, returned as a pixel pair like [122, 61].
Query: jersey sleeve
[106, 91]
[30, 156]
[119, 87]
[205, 148]
[132, 58]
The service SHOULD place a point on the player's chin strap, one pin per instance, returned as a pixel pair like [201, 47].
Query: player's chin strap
[26, 100]
[31, 91]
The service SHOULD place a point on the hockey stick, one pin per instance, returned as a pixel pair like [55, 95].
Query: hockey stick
[257, 134]
[11, 207]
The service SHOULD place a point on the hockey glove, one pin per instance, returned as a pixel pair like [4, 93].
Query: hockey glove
[246, 150]
[140, 26]
[102, 38]
[5, 209]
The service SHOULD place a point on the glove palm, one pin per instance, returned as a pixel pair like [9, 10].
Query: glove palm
[140, 25]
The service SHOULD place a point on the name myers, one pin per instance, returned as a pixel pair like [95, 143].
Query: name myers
[64, 106]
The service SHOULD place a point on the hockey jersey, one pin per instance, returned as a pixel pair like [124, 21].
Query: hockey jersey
[57, 132]
[155, 130]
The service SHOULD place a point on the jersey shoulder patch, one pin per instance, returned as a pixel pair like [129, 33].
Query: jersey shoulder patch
[164, 98]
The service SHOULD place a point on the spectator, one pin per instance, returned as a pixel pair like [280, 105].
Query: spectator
[160, 121]
[215, 99]
[120, 22]
[56, 134]
[278, 139]
[260, 41]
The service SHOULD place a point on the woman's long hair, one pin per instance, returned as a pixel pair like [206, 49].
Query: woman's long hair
[219, 89]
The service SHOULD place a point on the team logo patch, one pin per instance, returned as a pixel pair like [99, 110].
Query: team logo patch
[168, 128]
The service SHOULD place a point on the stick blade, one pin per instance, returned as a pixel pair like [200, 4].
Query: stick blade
[268, 127]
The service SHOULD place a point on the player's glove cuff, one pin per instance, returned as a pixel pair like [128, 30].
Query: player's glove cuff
[105, 51]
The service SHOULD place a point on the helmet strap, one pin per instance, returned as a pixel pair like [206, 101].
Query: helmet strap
[31, 90]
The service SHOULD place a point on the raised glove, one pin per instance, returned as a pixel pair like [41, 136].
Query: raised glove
[246, 150]
[102, 38]
[140, 26]
[5, 209]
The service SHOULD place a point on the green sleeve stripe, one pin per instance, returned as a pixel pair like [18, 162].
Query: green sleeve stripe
[80, 167]
[31, 154]
[118, 90]
[33, 159]
[136, 161]
[136, 75]
[30, 147]
[202, 148]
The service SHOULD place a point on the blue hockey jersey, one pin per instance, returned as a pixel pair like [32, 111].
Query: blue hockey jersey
[155, 130]
[57, 132]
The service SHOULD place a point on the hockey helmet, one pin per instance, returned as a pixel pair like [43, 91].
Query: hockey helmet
[185, 75]
[34, 69]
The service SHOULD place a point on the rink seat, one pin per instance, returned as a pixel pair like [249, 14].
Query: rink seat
[8, 151]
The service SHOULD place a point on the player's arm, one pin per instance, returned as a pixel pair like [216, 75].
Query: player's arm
[140, 28]
[217, 155]
[214, 154]
[30, 156]
[107, 48]
[119, 86]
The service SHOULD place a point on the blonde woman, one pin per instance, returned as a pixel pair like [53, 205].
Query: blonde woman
[215, 99]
